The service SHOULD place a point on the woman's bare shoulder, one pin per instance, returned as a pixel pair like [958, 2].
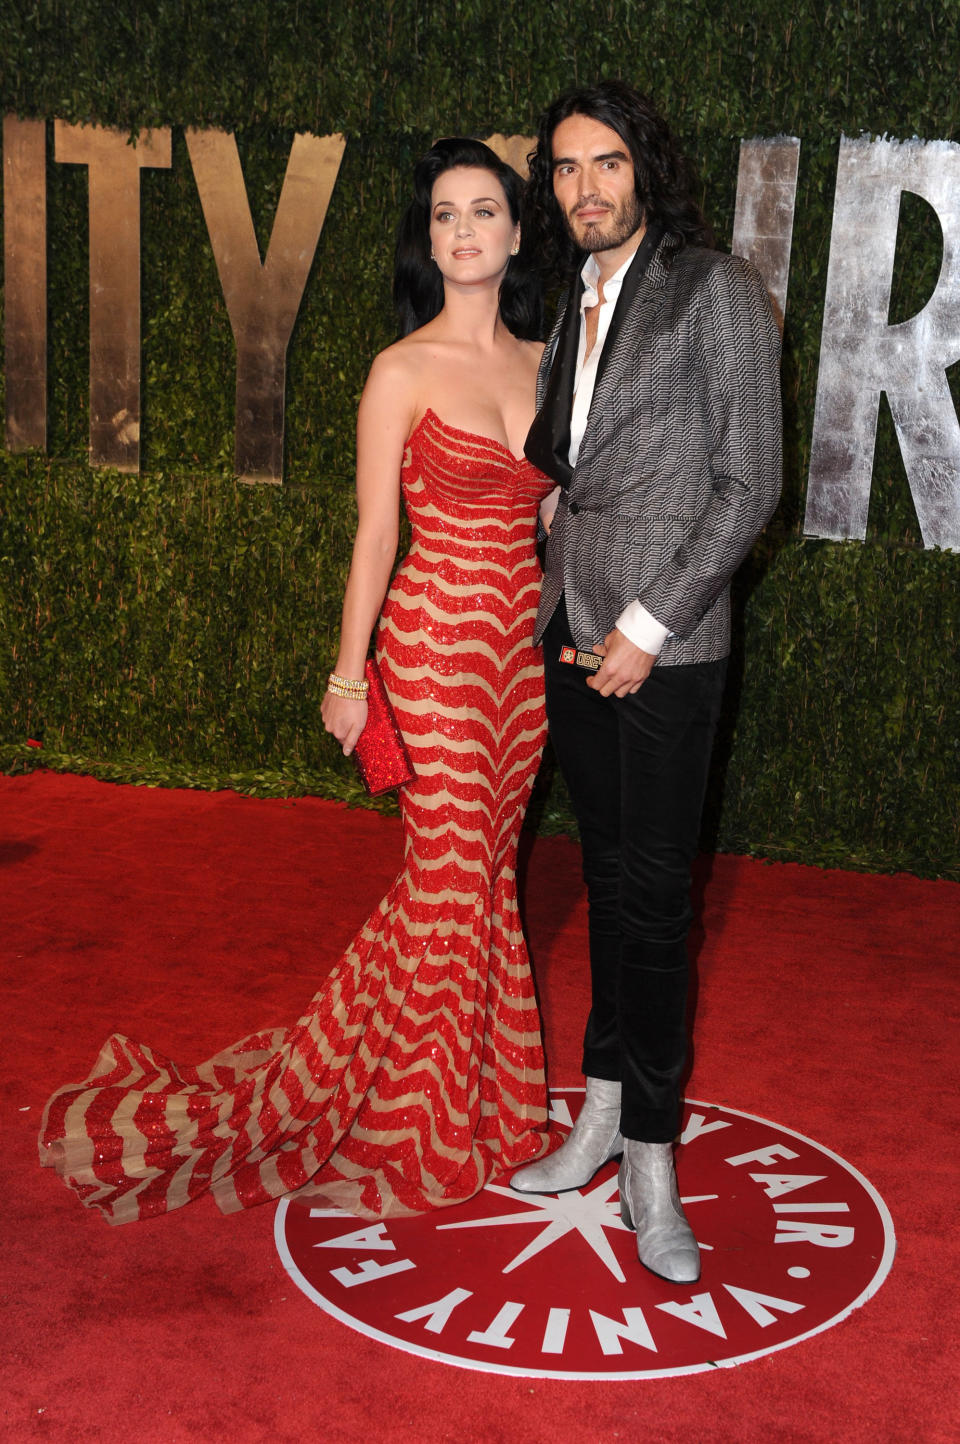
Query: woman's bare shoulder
[395, 360]
[403, 363]
[395, 370]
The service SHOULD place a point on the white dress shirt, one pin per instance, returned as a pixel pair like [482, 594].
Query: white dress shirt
[637, 624]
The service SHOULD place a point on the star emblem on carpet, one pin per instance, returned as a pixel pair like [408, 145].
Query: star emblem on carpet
[589, 1212]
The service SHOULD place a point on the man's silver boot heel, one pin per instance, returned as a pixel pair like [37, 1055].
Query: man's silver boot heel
[594, 1140]
[650, 1203]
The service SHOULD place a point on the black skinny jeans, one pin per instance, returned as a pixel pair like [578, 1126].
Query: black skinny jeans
[636, 768]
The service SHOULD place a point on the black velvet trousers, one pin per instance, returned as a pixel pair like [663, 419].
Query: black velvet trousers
[636, 768]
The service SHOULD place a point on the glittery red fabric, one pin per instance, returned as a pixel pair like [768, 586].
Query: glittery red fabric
[416, 1071]
[380, 751]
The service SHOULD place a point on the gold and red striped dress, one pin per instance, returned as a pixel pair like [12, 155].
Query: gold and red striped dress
[417, 1070]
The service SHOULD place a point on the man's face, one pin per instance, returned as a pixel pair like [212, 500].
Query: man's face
[594, 185]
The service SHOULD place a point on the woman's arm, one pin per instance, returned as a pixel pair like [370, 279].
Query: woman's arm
[384, 422]
[548, 509]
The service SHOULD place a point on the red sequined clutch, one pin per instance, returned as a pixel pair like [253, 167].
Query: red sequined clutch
[381, 754]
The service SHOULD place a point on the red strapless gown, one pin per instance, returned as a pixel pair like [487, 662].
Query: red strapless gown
[417, 1070]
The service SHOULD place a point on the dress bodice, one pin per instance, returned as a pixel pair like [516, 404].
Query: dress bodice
[467, 478]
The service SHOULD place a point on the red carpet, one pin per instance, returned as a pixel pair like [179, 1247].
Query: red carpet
[826, 1003]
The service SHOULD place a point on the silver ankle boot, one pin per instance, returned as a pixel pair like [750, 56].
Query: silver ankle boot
[594, 1140]
[650, 1203]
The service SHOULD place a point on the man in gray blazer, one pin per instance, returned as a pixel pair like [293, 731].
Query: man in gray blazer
[659, 417]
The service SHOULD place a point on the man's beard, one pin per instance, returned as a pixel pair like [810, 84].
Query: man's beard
[627, 220]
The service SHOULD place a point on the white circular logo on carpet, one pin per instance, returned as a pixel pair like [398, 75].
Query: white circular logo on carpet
[792, 1238]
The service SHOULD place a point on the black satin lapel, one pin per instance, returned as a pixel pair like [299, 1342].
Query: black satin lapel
[631, 281]
[548, 440]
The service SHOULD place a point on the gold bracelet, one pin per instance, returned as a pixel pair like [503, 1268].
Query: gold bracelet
[354, 688]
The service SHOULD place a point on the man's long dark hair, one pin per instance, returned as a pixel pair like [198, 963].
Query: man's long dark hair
[661, 175]
[417, 282]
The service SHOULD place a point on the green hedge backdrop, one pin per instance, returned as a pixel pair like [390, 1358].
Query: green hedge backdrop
[176, 627]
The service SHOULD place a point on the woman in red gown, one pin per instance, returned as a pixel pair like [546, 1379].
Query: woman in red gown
[416, 1072]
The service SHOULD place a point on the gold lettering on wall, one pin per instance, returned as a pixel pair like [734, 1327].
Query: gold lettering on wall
[25, 282]
[114, 163]
[514, 149]
[262, 299]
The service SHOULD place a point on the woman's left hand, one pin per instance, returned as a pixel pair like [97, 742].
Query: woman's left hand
[548, 509]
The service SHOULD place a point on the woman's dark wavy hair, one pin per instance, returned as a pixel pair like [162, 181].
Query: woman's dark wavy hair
[417, 283]
[663, 179]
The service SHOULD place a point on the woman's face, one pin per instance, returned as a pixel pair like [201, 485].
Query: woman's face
[471, 232]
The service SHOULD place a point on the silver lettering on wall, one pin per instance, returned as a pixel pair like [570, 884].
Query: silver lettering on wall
[763, 221]
[25, 281]
[861, 354]
[114, 163]
[263, 299]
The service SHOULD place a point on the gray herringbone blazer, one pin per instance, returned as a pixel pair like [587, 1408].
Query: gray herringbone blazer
[680, 464]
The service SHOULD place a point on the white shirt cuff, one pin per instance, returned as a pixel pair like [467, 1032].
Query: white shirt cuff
[642, 629]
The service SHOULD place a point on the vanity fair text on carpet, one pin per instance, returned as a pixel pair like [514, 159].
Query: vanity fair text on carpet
[861, 353]
[794, 1239]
